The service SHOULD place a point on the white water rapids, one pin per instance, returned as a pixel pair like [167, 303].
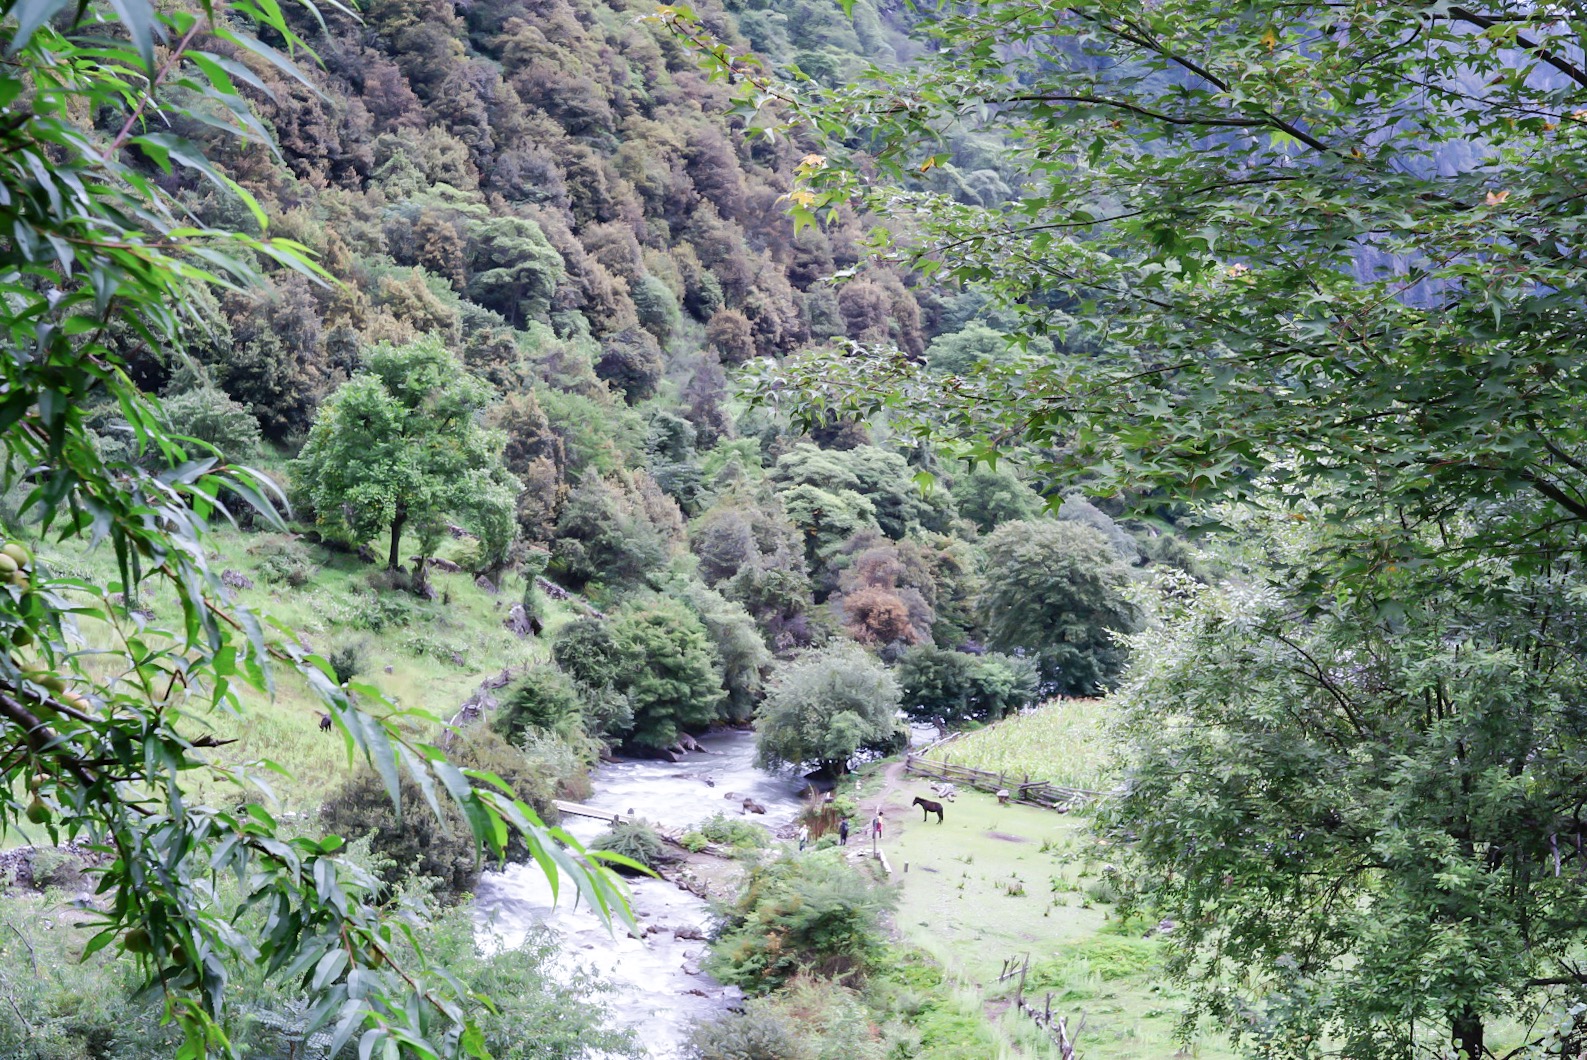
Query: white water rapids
[657, 985]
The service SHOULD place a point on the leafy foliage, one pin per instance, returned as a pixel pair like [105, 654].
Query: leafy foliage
[1365, 808]
[812, 913]
[399, 445]
[1054, 590]
[957, 687]
[668, 667]
[544, 699]
[825, 706]
[409, 845]
[635, 840]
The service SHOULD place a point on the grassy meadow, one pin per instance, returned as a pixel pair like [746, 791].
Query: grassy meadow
[992, 882]
[429, 655]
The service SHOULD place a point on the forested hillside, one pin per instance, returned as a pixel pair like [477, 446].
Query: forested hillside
[556, 201]
[498, 388]
[493, 486]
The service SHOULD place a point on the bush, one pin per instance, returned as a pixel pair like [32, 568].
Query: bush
[813, 914]
[347, 660]
[693, 842]
[636, 840]
[414, 843]
[285, 563]
[545, 768]
[545, 700]
[759, 1034]
[809, 1020]
[208, 415]
[378, 611]
[734, 832]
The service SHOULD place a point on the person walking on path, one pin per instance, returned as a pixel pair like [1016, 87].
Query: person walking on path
[843, 832]
[876, 832]
[804, 835]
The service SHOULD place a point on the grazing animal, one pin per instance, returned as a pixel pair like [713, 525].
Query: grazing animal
[927, 808]
[325, 722]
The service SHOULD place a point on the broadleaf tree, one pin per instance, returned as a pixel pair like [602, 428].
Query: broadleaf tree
[100, 260]
[1367, 830]
[825, 706]
[1054, 591]
[400, 445]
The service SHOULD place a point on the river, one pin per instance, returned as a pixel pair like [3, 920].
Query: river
[657, 985]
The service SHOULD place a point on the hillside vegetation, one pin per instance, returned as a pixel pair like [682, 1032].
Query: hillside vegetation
[406, 409]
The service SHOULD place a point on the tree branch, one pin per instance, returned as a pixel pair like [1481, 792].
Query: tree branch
[1554, 59]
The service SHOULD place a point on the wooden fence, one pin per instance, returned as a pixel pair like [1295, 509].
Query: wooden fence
[1056, 1027]
[1020, 789]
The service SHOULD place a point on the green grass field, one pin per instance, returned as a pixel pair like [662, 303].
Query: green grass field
[436, 658]
[1062, 742]
[998, 882]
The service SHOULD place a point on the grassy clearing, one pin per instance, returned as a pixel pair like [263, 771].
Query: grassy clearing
[426, 655]
[994, 882]
[1062, 742]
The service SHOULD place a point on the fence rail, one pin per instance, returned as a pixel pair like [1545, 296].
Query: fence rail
[1020, 788]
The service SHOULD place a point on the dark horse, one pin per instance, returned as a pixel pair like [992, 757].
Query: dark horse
[927, 808]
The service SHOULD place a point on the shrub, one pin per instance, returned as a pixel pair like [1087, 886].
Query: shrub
[562, 762]
[814, 913]
[285, 563]
[636, 840]
[758, 1034]
[693, 842]
[545, 699]
[413, 843]
[208, 415]
[347, 660]
[376, 611]
[416, 843]
[538, 773]
[734, 832]
[822, 1021]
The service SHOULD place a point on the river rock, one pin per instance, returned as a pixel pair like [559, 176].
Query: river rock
[751, 806]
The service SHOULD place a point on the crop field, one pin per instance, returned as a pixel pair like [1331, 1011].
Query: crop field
[1063, 742]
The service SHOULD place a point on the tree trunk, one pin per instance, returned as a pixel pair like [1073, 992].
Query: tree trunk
[1467, 1034]
[394, 561]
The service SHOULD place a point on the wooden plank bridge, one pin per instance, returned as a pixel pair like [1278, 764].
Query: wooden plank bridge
[578, 809]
